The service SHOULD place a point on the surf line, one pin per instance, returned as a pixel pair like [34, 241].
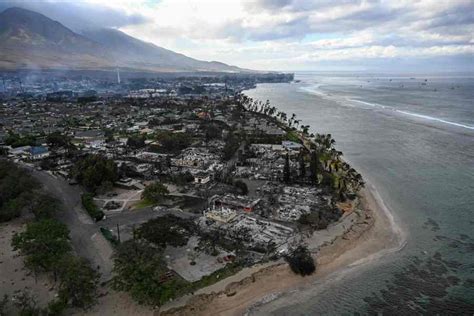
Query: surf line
[430, 118]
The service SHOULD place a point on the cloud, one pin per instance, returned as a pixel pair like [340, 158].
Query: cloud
[286, 34]
[80, 15]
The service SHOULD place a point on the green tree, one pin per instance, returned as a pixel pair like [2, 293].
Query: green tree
[88, 203]
[232, 143]
[43, 244]
[16, 140]
[302, 165]
[58, 140]
[320, 218]
[172, 142]
[155, 192]
[140, 269]
[301, 261]
[136, 141]
[109, 135]
[78, 282]
[16, 190]
[314, 166]
[44, 206]
[242, 186]
[286, 170]
[93, 170]
[4, 305]
[212, 131]
[167, 230]
[26, 303]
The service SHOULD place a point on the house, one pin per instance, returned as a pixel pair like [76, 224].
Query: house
[38, 152]
[91, 138]
[220, 214]
[289, 145]
[20, 151]
[202, 177]
[237, 203]
[89, 134]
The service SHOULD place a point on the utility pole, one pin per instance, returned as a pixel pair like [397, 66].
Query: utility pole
[118, 233]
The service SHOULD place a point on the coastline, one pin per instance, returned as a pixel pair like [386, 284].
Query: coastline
[372, 235]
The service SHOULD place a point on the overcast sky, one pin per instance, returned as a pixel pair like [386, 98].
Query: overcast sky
[290, 34]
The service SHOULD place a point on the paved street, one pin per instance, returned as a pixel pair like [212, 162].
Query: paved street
[86, 237]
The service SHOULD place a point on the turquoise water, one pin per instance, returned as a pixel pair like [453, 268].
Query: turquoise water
[413, 138]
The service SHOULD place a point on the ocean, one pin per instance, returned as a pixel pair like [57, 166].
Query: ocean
[412, 137]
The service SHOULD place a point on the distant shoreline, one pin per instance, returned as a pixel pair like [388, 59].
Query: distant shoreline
[372, 235]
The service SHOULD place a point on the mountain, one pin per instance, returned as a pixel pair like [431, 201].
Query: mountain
[129, 50]
[29, 40]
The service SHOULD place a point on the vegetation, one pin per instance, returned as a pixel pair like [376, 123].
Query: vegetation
[91, 208]
[143, 204]
[286, 170]
[300, 261]
[93, 171]
[320, 219]
[140, 269]
[155, 192]
[292, 136]
[3, 305]
[326, 165]
[302, 165]
[44, 206]
[167, 230]
[212, 131]
[26, 303]
[315, 167]
[16, 140]
[107, 233]
[342, 179]
[232, 143]
[181, 178]
[43, 244]
[16, 191]
[173, 142]
[58, 140]
[78, 282]
[136, 141]
[242, 186]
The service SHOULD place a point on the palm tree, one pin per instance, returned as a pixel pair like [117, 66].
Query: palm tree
[304, 129]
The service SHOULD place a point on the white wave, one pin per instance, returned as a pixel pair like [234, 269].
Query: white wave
[314, 90]
[430, 118]
[375, 105]
[347, 101]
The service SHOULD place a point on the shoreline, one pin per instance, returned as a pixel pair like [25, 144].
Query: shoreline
[374, 234]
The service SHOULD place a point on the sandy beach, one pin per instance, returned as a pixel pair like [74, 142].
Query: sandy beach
[373, 234]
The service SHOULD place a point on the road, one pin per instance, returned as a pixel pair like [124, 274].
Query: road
[86, 238]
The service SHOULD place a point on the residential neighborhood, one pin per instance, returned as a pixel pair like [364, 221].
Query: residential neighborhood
[216, 181]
